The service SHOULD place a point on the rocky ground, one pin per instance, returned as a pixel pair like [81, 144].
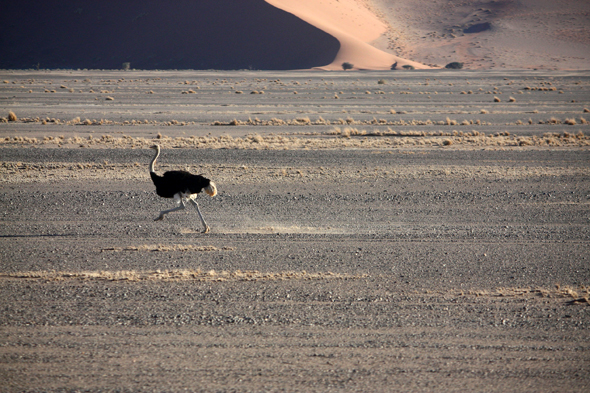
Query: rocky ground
[368, 242]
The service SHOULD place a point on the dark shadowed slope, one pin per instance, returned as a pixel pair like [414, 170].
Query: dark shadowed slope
[220, 34]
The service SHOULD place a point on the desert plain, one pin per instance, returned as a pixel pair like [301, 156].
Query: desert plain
[408, 231]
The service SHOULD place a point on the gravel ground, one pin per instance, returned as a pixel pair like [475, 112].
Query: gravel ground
[411, 268]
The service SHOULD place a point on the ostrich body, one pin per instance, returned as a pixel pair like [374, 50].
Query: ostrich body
[182, 186]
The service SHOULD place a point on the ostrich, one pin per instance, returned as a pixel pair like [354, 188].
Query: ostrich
[182, 186]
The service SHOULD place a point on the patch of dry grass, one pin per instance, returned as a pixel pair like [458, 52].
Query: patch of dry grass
[349, 137]
[97, 122]
[306, 121]
[176, 275]
[167, 248]
[579, 295]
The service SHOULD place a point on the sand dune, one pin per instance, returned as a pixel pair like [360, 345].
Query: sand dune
[296, 34]
[353, 25]
[529, 34]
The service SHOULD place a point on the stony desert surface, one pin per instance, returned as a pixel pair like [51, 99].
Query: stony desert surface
[410, 231]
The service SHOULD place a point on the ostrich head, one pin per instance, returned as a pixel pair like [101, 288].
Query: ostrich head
[211, 189]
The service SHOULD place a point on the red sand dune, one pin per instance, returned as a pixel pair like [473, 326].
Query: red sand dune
[355, 27]
[295, 34]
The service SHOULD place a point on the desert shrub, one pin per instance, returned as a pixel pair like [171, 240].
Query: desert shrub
[455, 65]
[126, 66]
[408, 67]
[347, 66]
[570, 122]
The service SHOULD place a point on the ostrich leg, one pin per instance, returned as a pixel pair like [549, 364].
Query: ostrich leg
[205, 226]
[181, 206]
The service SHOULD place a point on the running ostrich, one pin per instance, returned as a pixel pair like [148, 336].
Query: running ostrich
[182, 186]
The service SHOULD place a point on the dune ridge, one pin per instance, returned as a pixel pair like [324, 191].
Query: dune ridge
[353, 25]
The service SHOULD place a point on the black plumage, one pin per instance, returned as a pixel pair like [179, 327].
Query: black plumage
[174, 182]
[183, 186]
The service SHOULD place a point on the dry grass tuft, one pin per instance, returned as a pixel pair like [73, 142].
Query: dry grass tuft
[571, 122]
[496, 99]
[12, 116]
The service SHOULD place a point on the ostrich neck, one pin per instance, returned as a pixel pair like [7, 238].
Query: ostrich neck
[154, 161]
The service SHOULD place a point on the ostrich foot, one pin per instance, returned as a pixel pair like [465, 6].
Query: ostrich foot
[206, 230]
[160, 218]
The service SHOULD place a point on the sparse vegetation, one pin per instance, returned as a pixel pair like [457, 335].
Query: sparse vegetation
[353, 124]
[455, 65]
[570, 122]
[347, 66]
[384, 148]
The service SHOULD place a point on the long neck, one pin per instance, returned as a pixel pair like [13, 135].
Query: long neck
[154, 160]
